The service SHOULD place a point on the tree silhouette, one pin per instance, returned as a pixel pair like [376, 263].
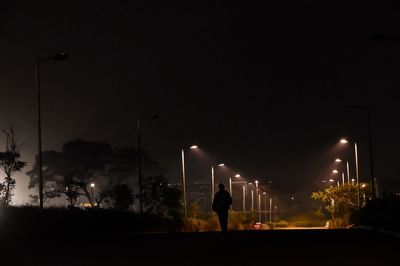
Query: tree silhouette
[9, 164]
[80, 163]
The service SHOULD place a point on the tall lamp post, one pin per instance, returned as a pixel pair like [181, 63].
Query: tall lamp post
[184, 180]
[213, 180]
[371, 152]
[345, 141]
[56, 57]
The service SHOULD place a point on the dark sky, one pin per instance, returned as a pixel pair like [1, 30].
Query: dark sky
[262, 88]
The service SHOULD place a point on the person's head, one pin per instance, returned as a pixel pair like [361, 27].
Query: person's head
[221, 186]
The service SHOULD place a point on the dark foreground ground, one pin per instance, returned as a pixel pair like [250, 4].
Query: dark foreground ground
[291, 247]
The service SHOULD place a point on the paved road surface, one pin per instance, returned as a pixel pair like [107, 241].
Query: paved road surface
[279, 247]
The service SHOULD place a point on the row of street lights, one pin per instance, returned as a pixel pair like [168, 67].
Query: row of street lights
[245, 188]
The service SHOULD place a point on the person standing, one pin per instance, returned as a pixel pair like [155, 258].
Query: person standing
[221, 203]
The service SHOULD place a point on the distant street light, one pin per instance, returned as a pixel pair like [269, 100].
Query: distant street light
[266, 211]
[335, 171]
[270, 210]
[212, 177]
[244, 199]
[259, 207]
[344, 141]
[92, 186]
[338, 160]
[56, 57]
[184, 180]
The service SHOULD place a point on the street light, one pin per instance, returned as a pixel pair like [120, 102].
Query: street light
[212, 176]
[252, 197]
[345, 141]
[259, 207]
[184, 180]
[56, 57]
[244, 199]
[139, 119]
[371, 153]
[338, 160]
[266, 211]
[92, 186]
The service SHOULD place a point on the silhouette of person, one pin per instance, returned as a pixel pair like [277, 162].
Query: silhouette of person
[221, 203]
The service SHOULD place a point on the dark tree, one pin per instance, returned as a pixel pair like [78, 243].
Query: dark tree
[80, 163]
[9, 163]
[70, 171]
[122, 197]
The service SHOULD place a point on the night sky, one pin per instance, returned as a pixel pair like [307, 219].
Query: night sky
[262, 88]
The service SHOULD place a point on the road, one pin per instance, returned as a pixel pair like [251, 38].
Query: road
[278, 247]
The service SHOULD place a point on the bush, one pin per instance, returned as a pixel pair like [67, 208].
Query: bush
[281, 223]
[199, 225]
[306, 221]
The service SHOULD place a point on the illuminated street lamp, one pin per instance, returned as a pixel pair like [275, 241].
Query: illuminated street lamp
[266, 211]
[231, 188]
[184, 180]
[270, 210]
[56, 57]
[244, 198]
[338, 160]
[252, 197]
[335, 171]
[92, 186]
[212, 177]
[345, 141]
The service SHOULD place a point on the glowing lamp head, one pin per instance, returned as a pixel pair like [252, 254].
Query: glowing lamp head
[335, 171]
[338, 160]
[331, 180]
[194, 147]
[92, 185]
[221, 164]
[237, 175]
[344, 141]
